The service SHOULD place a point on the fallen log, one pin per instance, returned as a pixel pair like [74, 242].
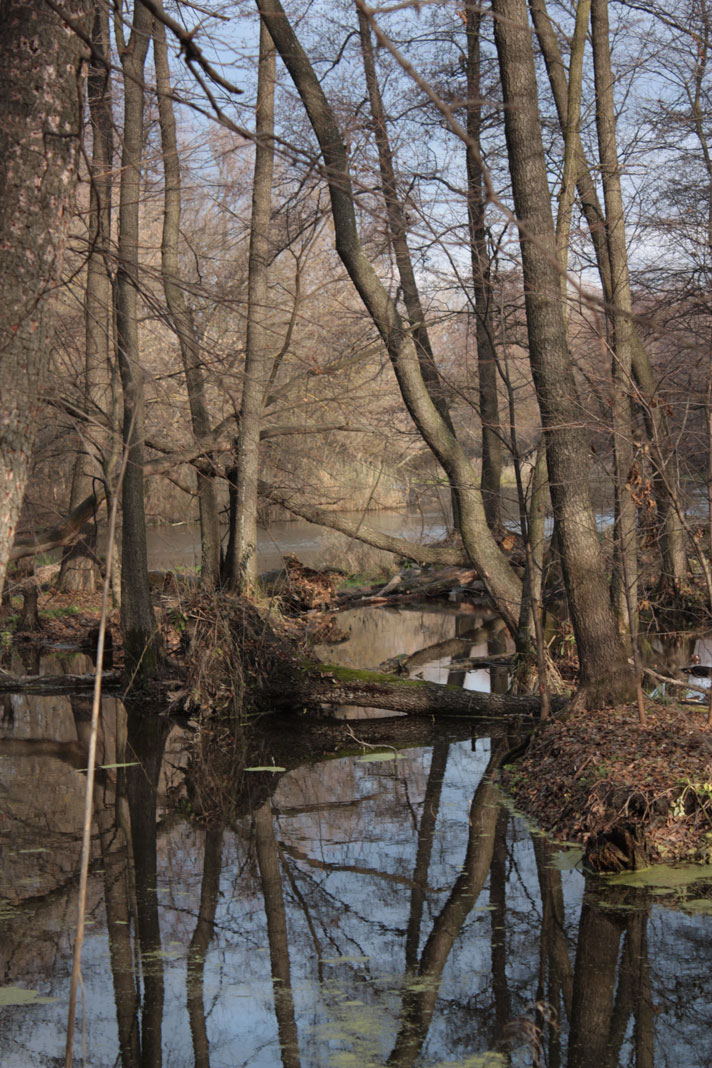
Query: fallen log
[62, 533]
[56, 685]
[404, 587]
[327, 684]
[681, 683]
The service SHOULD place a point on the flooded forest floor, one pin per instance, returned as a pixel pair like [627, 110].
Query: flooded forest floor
[630, 795]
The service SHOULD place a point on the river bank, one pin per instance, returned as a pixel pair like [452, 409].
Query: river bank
[629, 795]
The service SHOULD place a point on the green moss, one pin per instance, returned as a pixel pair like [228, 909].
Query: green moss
[60, 613]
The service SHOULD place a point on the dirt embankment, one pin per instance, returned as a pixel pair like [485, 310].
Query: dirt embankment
[632, 795]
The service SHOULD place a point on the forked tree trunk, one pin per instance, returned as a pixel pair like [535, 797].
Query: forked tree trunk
[179, 311]
[398, 231]
[605, 675]
[502, 583]
[241, 560]
[40, 122]
[138, 623]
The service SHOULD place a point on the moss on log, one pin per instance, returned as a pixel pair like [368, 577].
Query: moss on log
[329, 684]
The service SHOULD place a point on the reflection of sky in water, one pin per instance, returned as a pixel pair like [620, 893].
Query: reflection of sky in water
[347, 831]
[347, 868]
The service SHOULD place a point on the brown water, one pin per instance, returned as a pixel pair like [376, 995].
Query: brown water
[179, 546]
[362, 910]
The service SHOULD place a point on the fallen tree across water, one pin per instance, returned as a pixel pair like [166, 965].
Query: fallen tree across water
[326, 684]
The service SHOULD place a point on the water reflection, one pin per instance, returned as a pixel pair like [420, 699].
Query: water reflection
[354, 911]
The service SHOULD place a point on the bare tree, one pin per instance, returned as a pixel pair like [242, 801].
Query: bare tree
[241, 557]
[503, 584]
[605, 674]
[138, 622]
[487, 365]
[179, 311]
[674, 561]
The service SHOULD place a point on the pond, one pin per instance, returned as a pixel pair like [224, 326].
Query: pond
[381, 906]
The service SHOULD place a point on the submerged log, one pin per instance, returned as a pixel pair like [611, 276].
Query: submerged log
[326, 684]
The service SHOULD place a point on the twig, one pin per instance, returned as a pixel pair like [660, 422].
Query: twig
[89, 792]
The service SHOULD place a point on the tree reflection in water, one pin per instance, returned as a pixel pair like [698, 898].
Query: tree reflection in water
[375, 913]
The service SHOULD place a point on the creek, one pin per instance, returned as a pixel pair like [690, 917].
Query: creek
[377, 907]
[178, 546]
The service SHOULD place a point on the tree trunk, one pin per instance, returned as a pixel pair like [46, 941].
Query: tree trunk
[667, 489]
[398, 230]
[138, 623]
[241, 564]
[620, 316]
[488, 374]
[326, 684]
[178, 309]
[79, 567]
[502, 583]
[606, 677]
[40, 108]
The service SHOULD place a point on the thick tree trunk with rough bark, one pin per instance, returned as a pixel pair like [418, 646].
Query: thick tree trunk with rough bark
[138, 623]
[179, 310]
[667, 489]
[40, 123]
[241, 557]
[502, 583]
[605, 676]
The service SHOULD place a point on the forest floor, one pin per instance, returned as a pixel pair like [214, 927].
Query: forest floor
[631, 795]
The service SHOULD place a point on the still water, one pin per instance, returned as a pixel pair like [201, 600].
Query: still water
[179, 546]
[371, 908]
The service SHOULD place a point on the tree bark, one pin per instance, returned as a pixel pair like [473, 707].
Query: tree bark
[502, 583]
[138, 623]
[667, 490]
[241, 563]
[605, 676]
[620, 317]
[179, 311]
[487, 371]
[79, 568]
[40, 108]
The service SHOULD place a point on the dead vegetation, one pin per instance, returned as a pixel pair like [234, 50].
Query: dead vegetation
[631, 795]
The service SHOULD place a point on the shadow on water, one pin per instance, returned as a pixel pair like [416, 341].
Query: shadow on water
[371, 909]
